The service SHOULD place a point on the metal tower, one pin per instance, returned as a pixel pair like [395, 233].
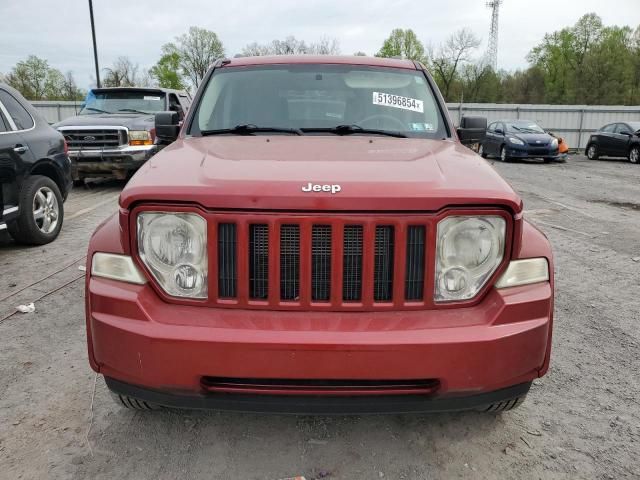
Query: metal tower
[492, 47]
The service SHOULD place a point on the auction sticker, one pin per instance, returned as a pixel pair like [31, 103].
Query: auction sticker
[396, 101]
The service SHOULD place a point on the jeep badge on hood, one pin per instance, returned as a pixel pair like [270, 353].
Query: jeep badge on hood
[314, 187]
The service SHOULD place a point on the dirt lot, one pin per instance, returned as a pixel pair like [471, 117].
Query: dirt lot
[581, 421]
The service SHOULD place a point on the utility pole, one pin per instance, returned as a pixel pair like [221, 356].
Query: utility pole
[492, 47]
[95, 48]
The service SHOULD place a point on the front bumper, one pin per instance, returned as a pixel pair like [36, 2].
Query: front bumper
[525, 152]
[163, 351]
[116, 162]
[320, 405]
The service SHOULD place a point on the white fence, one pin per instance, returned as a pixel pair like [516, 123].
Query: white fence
[573, 122]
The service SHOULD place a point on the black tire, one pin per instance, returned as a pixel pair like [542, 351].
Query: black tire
[132, 403]
[481, 151]
[25, 229]
[592, 151]
[503, 154]
[504, 406]
[634, 154]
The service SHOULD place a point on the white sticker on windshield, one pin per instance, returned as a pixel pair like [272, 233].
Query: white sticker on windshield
[396, 101]
[148, 97]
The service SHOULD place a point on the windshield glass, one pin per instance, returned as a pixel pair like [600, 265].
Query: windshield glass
[320, 97]
[123, 101]
[635, 126]
[524, 126]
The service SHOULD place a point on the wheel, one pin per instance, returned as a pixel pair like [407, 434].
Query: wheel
[41, 212]
[592, 152]
[504, 406]
[634, 154]
[503, 154]
[481, 151]
[133, 403]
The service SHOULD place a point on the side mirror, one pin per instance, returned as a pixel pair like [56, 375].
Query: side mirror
[472, 129]
[167, 126]
[628, 134]
[499, 131]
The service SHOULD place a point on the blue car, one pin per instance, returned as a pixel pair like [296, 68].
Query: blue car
[519, 139]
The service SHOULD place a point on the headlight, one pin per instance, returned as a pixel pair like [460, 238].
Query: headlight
[554, 143]
[174, 248]
[140, 137]
[469, 250]
[515, 141]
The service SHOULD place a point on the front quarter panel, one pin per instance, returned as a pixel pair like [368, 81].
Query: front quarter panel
[106, 238]
[535, 244]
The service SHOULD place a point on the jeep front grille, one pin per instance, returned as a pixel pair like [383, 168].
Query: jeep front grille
[314, 263]
[94, 138]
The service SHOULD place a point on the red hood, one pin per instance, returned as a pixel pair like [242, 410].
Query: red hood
[268, 173]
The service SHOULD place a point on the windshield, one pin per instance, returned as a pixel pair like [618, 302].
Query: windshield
[315, 99]
[635, 126]
[524, 127]
[123, 101]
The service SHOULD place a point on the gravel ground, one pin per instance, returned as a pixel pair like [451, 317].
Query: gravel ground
[581, 421]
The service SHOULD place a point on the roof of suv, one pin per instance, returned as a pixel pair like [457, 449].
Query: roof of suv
[139, 89]
[326, 59]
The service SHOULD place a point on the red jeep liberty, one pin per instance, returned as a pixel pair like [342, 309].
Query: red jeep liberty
[318, 240]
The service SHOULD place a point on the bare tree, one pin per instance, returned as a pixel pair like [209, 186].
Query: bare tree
[124, 73]
[326, 46]
[197, 49]
[292, 46]
[451, 55]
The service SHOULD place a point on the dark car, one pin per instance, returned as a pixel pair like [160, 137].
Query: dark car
[35, 172]
[620, 139]
[519, 139]
[114, 134]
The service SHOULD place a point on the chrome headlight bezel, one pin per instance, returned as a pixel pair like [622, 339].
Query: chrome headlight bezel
[464, 264]
[173, 248]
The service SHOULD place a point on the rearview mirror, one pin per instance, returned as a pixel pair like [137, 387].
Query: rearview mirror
[167, 126]
[472, 129]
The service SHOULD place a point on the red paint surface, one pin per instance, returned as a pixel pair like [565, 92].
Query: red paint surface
[138, 335]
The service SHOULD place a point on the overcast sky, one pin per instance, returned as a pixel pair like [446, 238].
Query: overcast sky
[60, 32]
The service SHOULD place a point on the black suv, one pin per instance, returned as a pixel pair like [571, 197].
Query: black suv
[35, 172]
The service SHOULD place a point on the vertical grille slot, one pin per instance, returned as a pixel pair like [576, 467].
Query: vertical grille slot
[259, 261]
[289, 262]
[227, 266]
[321, 262]
[383, 264]
[352, 263]
[414, 274]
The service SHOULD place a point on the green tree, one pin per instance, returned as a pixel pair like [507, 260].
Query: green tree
[167, 71]
[402, 44]
[34, 79]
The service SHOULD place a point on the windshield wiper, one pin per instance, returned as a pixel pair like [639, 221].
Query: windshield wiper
[353, 129]
[93, 109]
[133, 110]
[250, 129]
